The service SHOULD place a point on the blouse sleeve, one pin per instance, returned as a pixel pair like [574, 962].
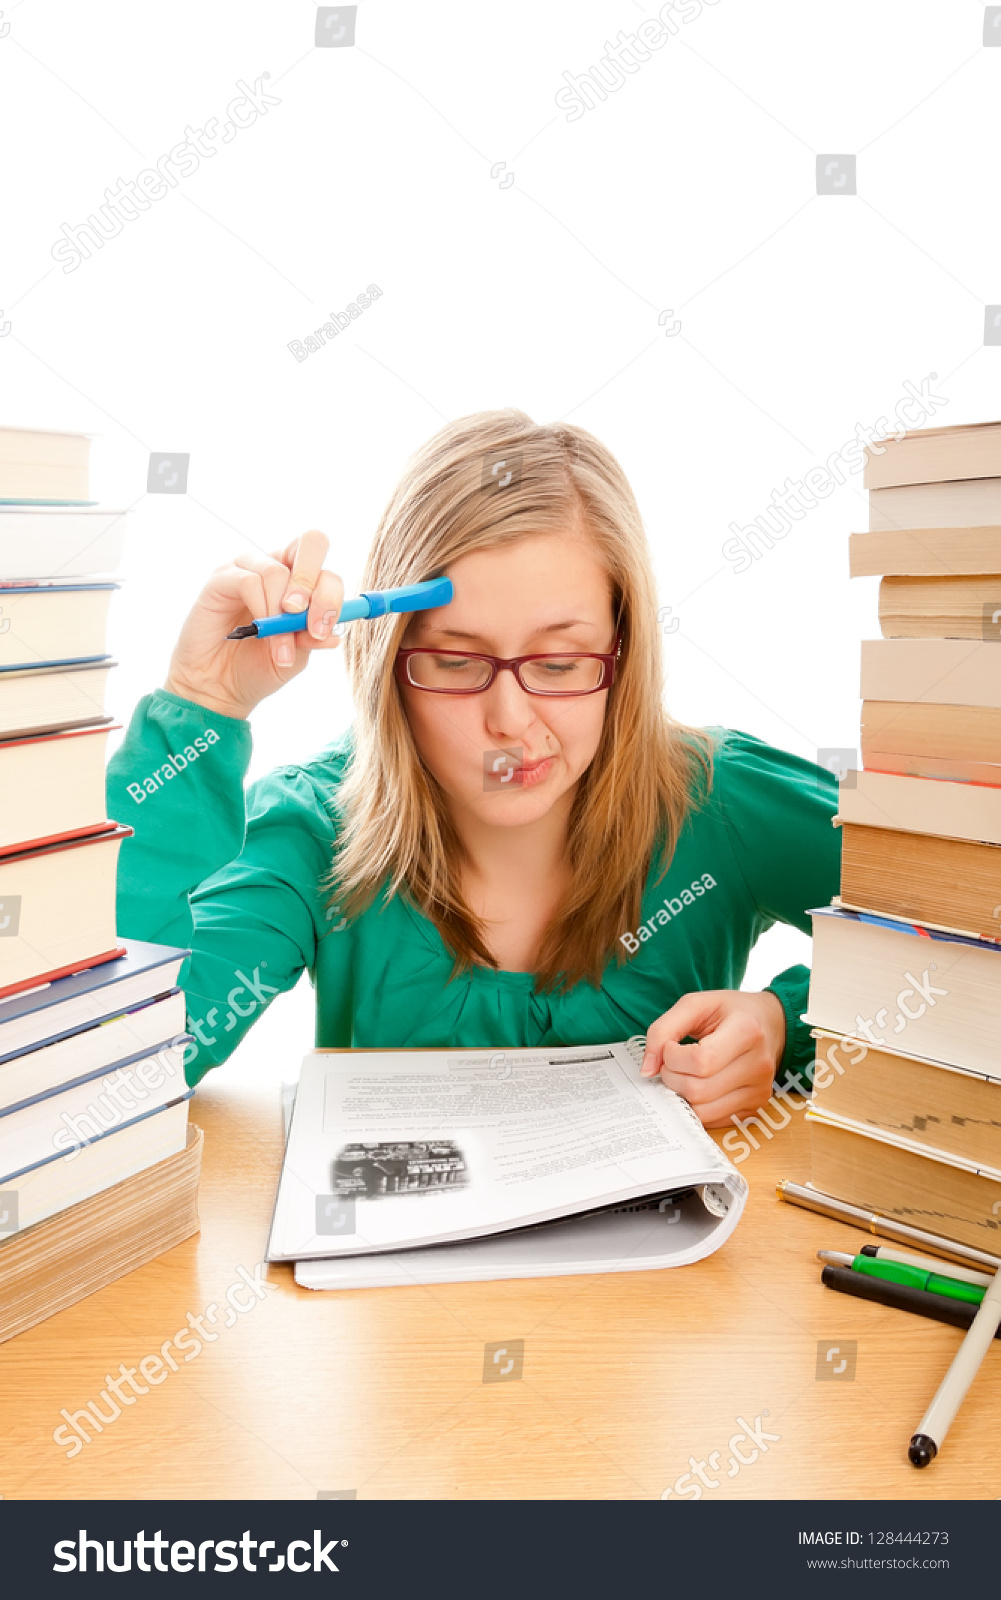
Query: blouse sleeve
[238, 878]
[777, 809]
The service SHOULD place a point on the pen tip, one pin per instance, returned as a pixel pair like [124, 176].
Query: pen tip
[922, 1450]
[249, 632]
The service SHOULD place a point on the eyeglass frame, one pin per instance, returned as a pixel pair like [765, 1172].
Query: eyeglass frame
[498, 664]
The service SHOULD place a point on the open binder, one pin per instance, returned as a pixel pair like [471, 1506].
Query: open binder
[436, 1167]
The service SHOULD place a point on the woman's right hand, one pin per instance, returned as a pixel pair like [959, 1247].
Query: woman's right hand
[233, 677]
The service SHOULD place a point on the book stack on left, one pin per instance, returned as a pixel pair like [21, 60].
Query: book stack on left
[905, 991]
[98, 1167]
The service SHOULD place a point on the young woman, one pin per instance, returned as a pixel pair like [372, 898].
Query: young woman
[514, 845]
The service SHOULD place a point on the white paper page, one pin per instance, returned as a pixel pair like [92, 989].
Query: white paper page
[394, 1150]
[638, 1241]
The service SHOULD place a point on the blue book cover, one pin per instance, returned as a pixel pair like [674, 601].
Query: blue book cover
[139, 957]
[98, 1073]
[61, 666]
[901, 925]
[63, 661]
[109, 1133]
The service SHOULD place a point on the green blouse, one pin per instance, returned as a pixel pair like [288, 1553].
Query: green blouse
[239, 877]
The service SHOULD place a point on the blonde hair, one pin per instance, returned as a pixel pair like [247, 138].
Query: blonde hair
[648, 771]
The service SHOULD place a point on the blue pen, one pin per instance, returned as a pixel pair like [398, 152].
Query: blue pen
[373, 603]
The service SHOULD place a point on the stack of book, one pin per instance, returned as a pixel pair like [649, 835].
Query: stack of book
[905, 992]
[98, 1168]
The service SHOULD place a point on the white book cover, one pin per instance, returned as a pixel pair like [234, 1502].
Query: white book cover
[79, 1056]
[899, 1141]
[895, 983]
[907, 804]
[61, 1121]
[967, 503]
[47, 541]
[895, 1049]
[428, 1166]
[944, 672]
[64, 1180]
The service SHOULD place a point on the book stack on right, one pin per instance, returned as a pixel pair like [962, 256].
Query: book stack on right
[98, 1166]
[905, 991]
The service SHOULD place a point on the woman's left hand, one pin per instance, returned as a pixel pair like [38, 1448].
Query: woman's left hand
[729, 1073]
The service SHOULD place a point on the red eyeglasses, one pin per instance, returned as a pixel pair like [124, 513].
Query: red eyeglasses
[467, 672]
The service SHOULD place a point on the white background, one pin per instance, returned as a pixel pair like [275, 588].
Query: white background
[691, 188]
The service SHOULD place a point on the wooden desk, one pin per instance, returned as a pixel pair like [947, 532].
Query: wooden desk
[380, 1390]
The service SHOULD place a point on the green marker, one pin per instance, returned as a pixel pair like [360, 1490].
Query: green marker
[909, 1277]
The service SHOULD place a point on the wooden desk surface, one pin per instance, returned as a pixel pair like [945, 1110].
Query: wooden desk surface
[380, 1390]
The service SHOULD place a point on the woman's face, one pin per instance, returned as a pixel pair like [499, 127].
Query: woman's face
[504, 755]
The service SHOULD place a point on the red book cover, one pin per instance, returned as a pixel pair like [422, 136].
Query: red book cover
[113, 830]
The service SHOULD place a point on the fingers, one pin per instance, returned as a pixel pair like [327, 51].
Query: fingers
[743, 1074]
[745, 1102]
[304, 559]
[291, 578]
[721, 1113]
[324, 607]
[694, 1014]
[234, 583]
[737, 1035]
[720, 1036]
[744, 1089]
[729, 1071]
[311, 585]
[274, 577]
